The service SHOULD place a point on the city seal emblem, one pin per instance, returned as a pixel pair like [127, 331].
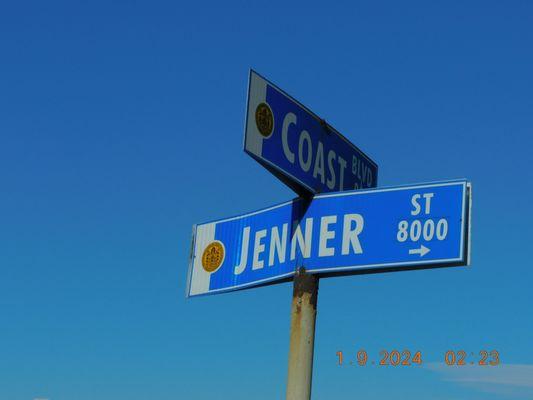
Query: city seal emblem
[264, 119]
[213, 256]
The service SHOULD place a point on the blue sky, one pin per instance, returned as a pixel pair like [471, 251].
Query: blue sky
[121, 126]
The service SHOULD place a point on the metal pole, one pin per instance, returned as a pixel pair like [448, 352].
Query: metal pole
[302, 341]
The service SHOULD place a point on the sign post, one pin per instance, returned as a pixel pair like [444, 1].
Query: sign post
[302, 336]
[333, 229]
[309, 156]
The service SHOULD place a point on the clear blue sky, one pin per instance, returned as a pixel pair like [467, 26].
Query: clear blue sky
[121, 126]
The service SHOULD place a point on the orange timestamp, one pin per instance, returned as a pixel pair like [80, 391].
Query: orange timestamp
[408, 358]
[482, 358]
[393, 357]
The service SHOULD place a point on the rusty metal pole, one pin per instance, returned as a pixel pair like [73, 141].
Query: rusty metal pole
[302, 341]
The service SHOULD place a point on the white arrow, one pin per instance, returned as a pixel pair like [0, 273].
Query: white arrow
[423, 250]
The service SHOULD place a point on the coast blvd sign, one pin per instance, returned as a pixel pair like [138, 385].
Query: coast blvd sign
[420, 226]
[300, 148]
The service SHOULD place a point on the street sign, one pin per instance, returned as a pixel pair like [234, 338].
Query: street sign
[299, 147]
[420, 226]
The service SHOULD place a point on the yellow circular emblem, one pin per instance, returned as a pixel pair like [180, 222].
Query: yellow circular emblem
[264, 119]
[213, 256]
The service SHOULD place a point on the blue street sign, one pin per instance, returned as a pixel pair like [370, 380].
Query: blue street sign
[299, 147]
[408, 227]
